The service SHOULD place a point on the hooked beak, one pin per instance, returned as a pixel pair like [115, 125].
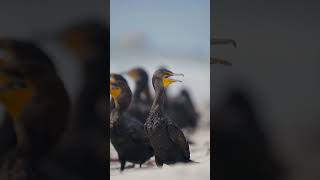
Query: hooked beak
[167, 79]
[114, 91]
[174, 74]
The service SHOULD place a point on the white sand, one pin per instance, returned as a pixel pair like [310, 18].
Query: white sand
[199, 153]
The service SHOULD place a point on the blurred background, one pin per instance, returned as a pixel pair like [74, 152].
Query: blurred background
[276, 71]
[43, 22]
[40, 20]
[152, 34]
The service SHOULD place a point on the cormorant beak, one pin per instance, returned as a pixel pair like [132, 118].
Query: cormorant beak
[167, 80]
[115, 91]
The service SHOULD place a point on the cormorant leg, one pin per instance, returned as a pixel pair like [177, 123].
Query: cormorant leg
[158, 162]
[123, 163]
[140, 165]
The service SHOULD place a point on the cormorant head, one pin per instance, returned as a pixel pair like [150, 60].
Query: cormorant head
[86, 40]
[139, 75]
[121, 93]
[21, 65]
[116, 77]
[162, 78]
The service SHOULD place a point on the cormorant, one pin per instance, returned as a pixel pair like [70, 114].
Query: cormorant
[141, 101]
[88, 41]
[181, 109]
[83, 152]
[37, 102]
[113, 78]
[168, 141]
[239, 144]
[142, 91]
[127, 134]
[117, 77]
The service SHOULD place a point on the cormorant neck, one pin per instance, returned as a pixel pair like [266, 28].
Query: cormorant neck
[158, 100]
[115, 114]
[138, 91]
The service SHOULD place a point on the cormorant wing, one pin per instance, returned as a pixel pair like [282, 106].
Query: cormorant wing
[178, 137]
[136, 131]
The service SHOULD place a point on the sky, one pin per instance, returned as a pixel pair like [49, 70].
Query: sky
[168, 25]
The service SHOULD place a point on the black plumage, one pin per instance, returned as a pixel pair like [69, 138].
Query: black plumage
[168, 141]
[240, 145]
[127, 133]
[141, 101]
[37, 102]
[83, 154]
[8, 139]
[181, 109]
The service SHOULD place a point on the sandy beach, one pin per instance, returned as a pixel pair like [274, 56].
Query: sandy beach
[200, 152]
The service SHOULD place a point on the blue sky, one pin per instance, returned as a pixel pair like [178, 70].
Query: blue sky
[178, 25]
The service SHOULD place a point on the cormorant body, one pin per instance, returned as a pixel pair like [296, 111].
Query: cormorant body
[168, 141]
[141, 101]
[127, 133]
[181, 109]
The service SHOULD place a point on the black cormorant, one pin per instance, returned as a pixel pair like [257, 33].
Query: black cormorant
[127, 134]
[240, 145]
[37, 102]
[141, 101]
[113, 78]
[180, 109]
[85, 139]
[168, 141]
